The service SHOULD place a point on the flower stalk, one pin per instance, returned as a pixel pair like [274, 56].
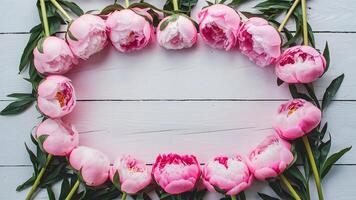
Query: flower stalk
[233, 197]
[61, 10]
[175, 5]
[290, 187]
[127, 3]
[39, 176]
[73, 190]
[44, 18]
[124, 195]
[289, 13]
[305, 22]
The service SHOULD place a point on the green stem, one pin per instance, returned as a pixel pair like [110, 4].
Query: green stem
[127, 3]
[61, 10]
[305, 22]
[289, 187]
[233, 197]
[124, 195]
[73, 190]
[38, 179]
[44, 17]
[313, 166]
[175, 5]
[289, 13]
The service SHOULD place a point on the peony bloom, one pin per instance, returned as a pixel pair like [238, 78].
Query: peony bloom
[56, 96]
[296, 118]
[130, 30]
[176, 32]
[134, 174]
[53, 56]
[300, 64]
[228, 174]
[259, 41]
[218, 26]
[87, 35]
[175, 173]
[270, 158]
[92, 164]
[60, 138]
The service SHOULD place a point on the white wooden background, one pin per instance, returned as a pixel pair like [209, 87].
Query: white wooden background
[201, 101]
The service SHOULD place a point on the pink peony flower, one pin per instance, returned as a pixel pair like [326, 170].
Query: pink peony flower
[229, 174]
[296, 118]
[129, 29]
[176, 32]
[300, 64]
[56, 96]
[270, 158]
[60, 138]
[134, 174]
[87, 35]
[259, 41]
[92, 164]
[219, 25]
[176, 173]
[53, 56]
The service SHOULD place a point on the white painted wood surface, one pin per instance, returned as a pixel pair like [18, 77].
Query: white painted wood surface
[179, 101]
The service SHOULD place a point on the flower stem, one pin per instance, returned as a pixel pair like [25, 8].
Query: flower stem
[127, 3]
[233, 197]
[61, 10]
[175, 5]
[72, 191]
[44, 17]
[289, 187]
[39, 176]
[289, 13]
[305, 22]
[313, 166]
[124, 195]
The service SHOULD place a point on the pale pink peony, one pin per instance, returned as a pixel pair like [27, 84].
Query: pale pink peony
[60, 138]
[130, 29]
[228, 174]
[259, 41]
[179, 33]
[218, 26]
[296, 118]
[87, 35]
[134, 174]
[53, 56]
[56, 96]
[270, 158]
[92, 164]
[176, 173]
[300, 64]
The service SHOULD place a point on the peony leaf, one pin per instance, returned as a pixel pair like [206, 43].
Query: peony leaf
[116, 180]
[72, 6]
[36, 34]
[266, 197]
[40, 45]
[41, 140]
[167, 21]
[111, 8]
[50, 193]
[65, 188]
[326, 55]
[27, 183]
[17, 107]
[279, 82]
[331, 91]
[332, 160]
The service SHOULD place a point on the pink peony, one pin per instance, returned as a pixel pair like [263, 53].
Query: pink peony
[53, 56]
[300, 64]
[87, 35]
[228, 174]
[296, 118]
[129, 29]
[60, 138]
[219, 25]
[92, 164]
[175, 173]
[270, 158]
[176, 32]
[56, 96]
[134, 174]
[259, 41]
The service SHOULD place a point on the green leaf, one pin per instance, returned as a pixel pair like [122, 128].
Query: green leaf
[184, 6]
[17, 107]
[72, 6]
[241, 196]
[165, 23]
[21, 95]
[324, 151]
[312, 94]
[326, 55]
[331, 160]
[41, 140]
[331, 91]
[116, 181]
[29, 182]
[217, 189]
[50, 193]
[266, 197]
[65, 189]
[111, 8]
[71, 36]
[36, 34]
[279, 82]
[40, 45]
[33, 159]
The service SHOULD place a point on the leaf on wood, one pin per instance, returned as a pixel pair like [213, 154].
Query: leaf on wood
[17, 107]
[165, 23]
[332, 160]
[50, 193]
[279, 82]
[326, 55]
[266, 197]
[331, 91]
[72, 6]
[111, 8]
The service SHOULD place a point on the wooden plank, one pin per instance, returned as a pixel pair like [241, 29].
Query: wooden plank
[155, 73]
[147, 128]
[335, 15]
[339, 184]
